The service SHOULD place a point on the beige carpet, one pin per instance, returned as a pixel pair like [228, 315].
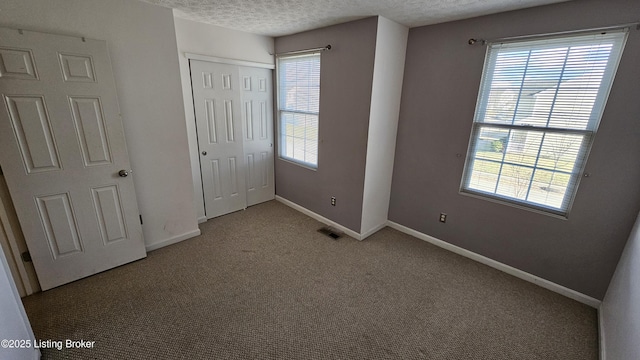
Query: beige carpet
[263, 284]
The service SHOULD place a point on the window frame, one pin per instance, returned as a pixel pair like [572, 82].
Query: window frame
[587, 134]
[281, 143]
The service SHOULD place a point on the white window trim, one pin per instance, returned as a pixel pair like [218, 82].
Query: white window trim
[279, 111]
[582, 156]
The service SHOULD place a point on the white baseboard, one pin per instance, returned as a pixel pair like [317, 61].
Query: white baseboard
[374, 230]
[173, 240]
[601, 338]
[572, 294]
[320, 218]
[202, 219]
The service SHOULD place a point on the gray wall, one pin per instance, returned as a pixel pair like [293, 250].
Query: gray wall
[442, 76]
[620, 310]
[346, 75]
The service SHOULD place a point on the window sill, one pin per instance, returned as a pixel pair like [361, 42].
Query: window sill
[512, 204]
[301, 164]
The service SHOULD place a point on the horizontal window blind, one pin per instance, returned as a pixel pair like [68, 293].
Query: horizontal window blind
[299, 107]
[539, 106]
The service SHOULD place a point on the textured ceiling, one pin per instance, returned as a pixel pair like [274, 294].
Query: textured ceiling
[283, 17]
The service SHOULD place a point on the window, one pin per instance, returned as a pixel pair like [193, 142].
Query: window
[298, 108]
[538, 109]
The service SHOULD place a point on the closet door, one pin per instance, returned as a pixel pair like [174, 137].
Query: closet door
[217, 103]
[257, 113]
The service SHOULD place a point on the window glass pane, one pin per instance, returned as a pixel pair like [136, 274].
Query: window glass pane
[548, 83]
[514, 181]
[491, 143]
[523, 147]
[298, 149]
[544, 72]
[299, 133]
[484, 175]
[549, 188]
[505, 86]
[288, 140]
[299, 86]
[560, 151]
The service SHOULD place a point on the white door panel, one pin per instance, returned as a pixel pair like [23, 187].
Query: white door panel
[257, 109]
[62, 146]
[219, 123]
[234, 120]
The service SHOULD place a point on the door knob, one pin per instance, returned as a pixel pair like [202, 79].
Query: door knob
[123, 173]
[204, 153]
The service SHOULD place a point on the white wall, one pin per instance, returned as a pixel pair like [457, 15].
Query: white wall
[13, 244]
[204, 39]
[13, 319]
[6, 248]
[388, 73]
[620, 309]
[142, 46]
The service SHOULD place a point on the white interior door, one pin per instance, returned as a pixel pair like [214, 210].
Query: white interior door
[62, 147]
[257, 113]
[216, 99]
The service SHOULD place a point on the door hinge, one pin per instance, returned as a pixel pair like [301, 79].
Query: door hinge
[141, 219]
[26, 256]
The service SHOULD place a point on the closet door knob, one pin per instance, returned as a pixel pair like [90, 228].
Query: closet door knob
[204, 153]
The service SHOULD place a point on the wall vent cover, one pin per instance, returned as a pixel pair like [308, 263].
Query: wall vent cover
[330, 232]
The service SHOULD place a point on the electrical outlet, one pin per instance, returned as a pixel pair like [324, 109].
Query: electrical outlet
[443, 217]
[333, 201]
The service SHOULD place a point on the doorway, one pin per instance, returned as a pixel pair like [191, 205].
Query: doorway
[233, 107]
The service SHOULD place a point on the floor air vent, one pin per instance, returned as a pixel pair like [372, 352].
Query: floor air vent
[330, 232]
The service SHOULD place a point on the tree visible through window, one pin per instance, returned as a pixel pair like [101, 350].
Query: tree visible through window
[538, 109]
[299, 107]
